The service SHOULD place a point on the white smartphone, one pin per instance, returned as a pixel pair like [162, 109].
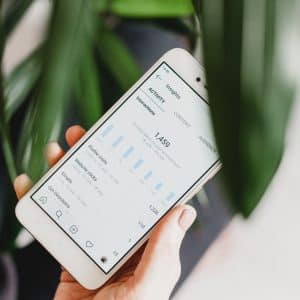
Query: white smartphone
[153, 150]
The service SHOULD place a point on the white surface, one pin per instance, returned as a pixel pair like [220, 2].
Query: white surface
[28, 34]
[258, 258]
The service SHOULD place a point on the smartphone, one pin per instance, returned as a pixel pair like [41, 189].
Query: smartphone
[153, 150]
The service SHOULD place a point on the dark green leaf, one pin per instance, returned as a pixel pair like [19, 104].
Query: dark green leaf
[8, 152]
[9, 227]
[13, 14]
[102, 5]
[197, 7]
[71, 27]
[250, 89]
[118, 59]
[151, 8]
[19, 83]
[87, 90]
[6, 144]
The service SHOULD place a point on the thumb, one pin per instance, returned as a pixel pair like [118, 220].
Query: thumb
[159, 268]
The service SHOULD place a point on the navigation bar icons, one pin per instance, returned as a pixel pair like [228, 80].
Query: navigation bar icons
[89, 244]
[73, 229]
[43, 199]
[58, 213]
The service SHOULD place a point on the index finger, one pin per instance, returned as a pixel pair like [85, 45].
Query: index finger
[73, 134]
[22, 185]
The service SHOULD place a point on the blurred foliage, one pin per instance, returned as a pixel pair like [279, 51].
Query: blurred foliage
[246, 52]
[65, 48]
[78, 55]
[151, 8]
[250, 87]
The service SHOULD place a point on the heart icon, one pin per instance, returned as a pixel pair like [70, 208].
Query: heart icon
[89, 244]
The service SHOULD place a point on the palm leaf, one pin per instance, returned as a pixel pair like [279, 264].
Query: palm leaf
[118, 59]
[64, 48]
[19, 83]
[13, 14]
[87, 91]
[250, 89]
[151, 8]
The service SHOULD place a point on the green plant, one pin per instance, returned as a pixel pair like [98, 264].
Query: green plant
[79, 48]
[249, 87]
[247, 45]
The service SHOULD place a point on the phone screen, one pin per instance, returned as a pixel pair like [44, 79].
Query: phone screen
[132, 169]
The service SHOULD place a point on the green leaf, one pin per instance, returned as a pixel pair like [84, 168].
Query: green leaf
[102, 5]
[13, 14]
[8, 152]
[197, 7]
[151, 8]
[6, 144]
[71, 28]
[9, 227]
[250, 89]
[118, 59]
[87, 91]
[19, 83]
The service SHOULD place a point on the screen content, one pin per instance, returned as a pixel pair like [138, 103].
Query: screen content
[132, 169]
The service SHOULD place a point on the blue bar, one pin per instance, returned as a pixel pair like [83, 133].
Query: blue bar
[148, 175]
[158, 186]
[117, 141]
[128, 152]
[138, 163]
[107, 130]
[170, 196]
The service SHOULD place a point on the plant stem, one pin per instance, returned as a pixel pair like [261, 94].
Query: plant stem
[8, 155]
[5, 138]
[4, 130]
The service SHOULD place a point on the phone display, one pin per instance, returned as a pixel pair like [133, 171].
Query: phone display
[132, 169]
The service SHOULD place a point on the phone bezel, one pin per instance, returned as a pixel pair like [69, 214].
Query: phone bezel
[59, 245]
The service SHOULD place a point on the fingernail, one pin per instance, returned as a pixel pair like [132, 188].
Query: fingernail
[53, 152]
[22, 181]
[52, 148]
[187, 218]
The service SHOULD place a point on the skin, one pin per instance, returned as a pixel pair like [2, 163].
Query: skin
[154, 269]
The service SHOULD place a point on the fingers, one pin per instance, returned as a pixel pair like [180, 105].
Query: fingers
[73, 134]
[65, 276]
[53, 153]
[127, 270]
[22, 184]
[161, 256]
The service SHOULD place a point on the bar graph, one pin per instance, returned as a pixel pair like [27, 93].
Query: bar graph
[148, 175]
[138, 163]
[129, 153]
[117, 141]
[158, 186]
[107, 130]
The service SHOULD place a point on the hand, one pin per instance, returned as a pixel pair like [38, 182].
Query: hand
[151, 273]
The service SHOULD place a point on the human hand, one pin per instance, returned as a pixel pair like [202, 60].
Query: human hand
[153, 270]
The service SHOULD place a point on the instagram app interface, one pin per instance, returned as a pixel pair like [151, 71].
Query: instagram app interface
[133, 168]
